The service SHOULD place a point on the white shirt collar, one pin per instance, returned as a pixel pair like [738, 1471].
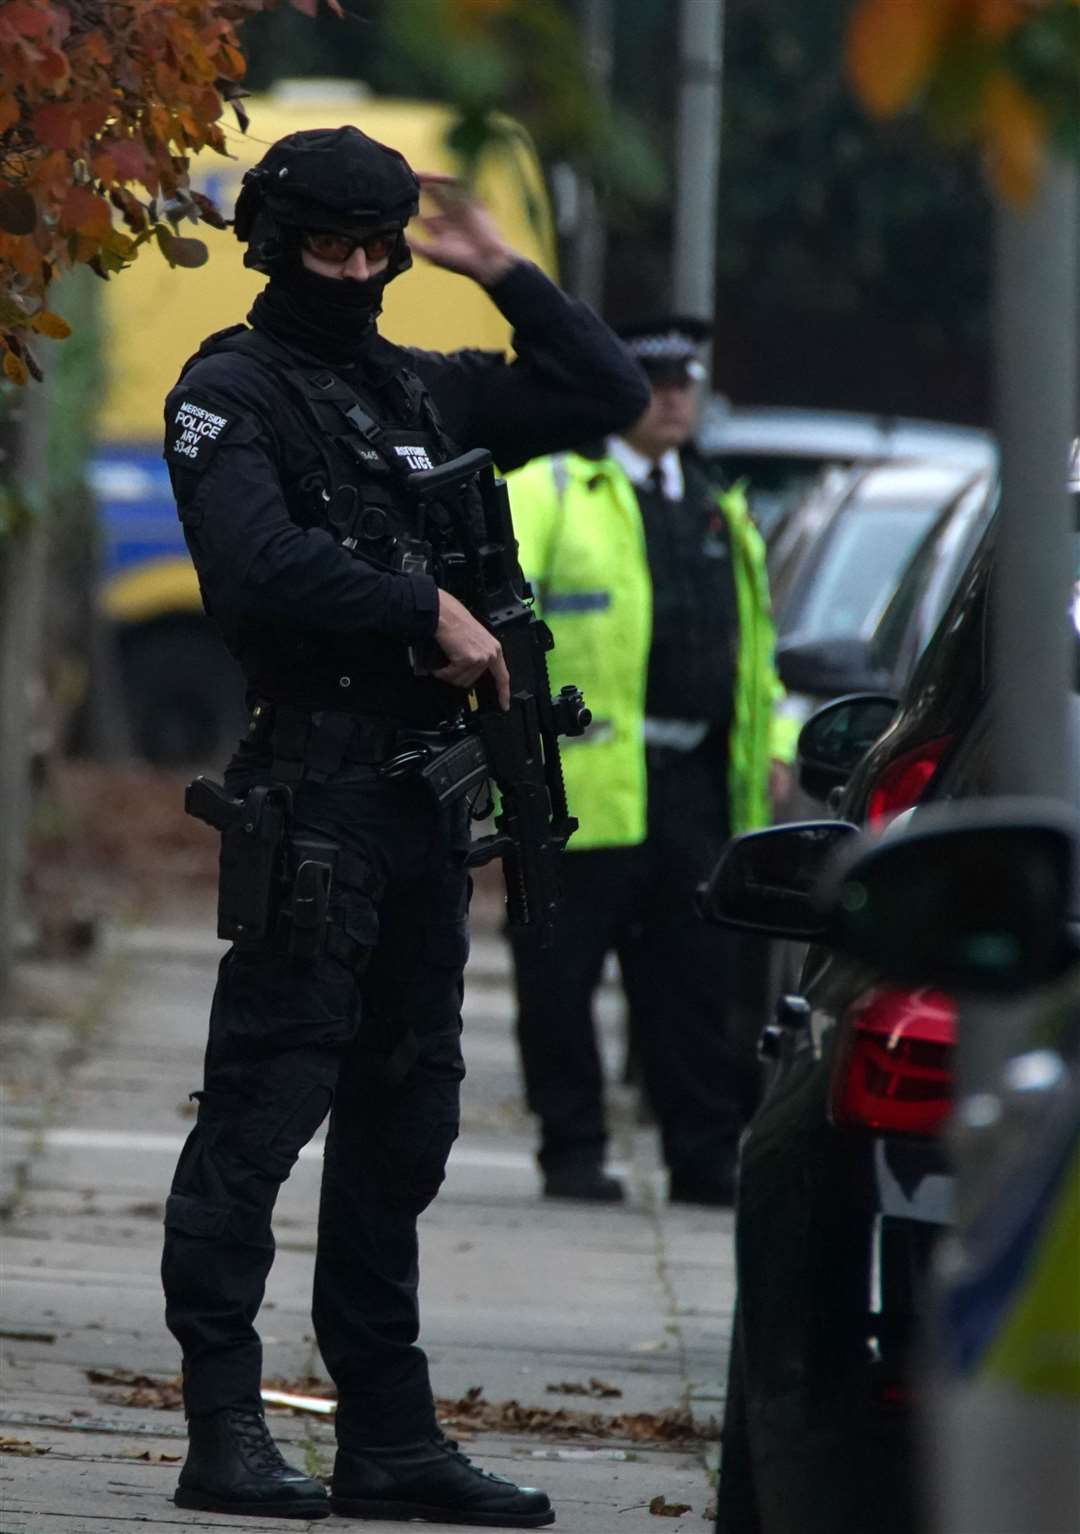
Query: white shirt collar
[638, 467]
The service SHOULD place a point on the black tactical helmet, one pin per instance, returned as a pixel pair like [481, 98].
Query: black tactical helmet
[323, 178]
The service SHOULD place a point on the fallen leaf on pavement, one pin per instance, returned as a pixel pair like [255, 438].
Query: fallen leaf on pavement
[472, 1411]
[467, 1415]
[151, 1456]
[664, 1509]
[595, 1387]
[21, 1446]
[139, 1389]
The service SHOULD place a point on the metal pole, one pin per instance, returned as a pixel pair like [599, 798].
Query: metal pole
[589, 247]
[697, 154]
[1036, 325]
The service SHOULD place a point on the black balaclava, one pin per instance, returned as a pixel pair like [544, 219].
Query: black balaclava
[334, 179]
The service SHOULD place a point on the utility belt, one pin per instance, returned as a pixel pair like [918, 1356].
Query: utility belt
[276, 883]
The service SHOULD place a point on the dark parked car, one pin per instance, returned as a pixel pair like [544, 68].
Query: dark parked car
[861, 571]
[883, 653]
[844, 1186]
[994, 887]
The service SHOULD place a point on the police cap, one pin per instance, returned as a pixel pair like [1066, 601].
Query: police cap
[669, 347]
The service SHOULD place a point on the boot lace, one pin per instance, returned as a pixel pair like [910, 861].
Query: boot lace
[452, 1446]
[256, 1445]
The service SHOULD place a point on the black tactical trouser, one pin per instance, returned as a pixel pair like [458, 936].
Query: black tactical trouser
[379, 1047]
[638, 902]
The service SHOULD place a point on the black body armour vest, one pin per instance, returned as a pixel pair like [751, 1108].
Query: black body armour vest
[367, 437]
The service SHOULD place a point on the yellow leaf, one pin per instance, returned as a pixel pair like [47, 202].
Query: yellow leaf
[49, 324]
[15, 369]
[1014, 138]
[892, 48]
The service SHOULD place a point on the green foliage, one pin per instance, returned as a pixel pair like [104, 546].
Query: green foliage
[487, 60]
[1046, 58]
[822, 210]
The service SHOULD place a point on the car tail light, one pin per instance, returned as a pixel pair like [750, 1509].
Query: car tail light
[902, 783]
[894, 1067]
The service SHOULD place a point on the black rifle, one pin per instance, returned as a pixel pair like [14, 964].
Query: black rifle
[465, 510]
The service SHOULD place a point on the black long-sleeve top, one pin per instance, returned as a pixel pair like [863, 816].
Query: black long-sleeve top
[266, 577]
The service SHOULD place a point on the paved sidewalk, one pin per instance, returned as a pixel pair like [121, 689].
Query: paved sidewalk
[520, 1294]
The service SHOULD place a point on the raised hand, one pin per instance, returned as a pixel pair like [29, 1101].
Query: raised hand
[461, 235]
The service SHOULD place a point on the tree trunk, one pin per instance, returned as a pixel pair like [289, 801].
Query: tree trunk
[23, 554]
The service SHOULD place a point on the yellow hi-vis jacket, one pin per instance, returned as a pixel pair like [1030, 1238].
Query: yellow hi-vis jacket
[582, 548]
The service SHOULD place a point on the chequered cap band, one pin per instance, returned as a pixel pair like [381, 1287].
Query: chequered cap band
[670, 346]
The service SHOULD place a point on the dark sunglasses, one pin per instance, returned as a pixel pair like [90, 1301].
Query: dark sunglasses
[330, 246]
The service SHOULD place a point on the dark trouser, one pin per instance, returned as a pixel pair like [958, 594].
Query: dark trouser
[639, 903]
[290, 1042]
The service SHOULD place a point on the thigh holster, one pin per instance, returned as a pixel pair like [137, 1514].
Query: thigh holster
[252, 863]
[275, 885]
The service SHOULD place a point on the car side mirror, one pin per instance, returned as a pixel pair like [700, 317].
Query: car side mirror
[970, 898]
[764, 880]
[827, 666]
[834, 740]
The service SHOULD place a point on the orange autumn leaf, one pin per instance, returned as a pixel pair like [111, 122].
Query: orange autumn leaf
[100, 106]
[15, 368]
[57, 126]
[1014, 138]
[49, 324]
[27, 20]
[129, 157]
[893, 46]
[86, 213]
[233, 64]
[104, 167]
[52, 173]
[94, 46]
[56, 69]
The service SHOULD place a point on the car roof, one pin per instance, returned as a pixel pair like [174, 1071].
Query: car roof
[791, 431]
[926, 480]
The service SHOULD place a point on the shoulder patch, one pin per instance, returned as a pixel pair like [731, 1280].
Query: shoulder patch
[194, 428]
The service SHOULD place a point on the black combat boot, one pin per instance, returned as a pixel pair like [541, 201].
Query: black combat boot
[431, 1479]
[585, 1180]
[234, 1466]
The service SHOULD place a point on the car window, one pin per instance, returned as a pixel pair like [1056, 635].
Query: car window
[890, 632]
[856, 569]
[929, 579]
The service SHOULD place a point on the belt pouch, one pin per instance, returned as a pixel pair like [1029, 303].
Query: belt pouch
[309, 903]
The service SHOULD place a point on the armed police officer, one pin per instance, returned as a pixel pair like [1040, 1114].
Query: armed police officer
[289, 444]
